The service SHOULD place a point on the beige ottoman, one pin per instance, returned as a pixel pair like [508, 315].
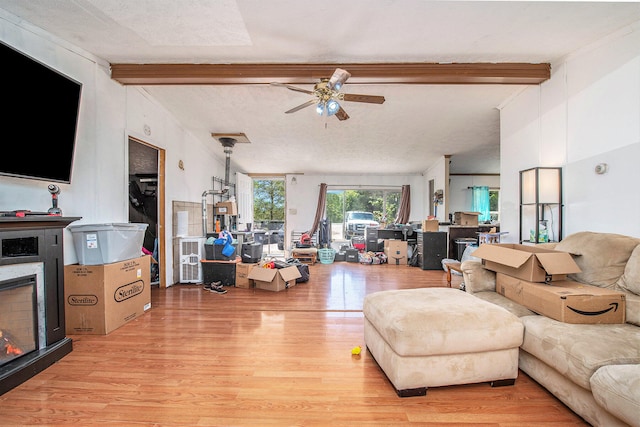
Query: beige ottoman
[440, 336]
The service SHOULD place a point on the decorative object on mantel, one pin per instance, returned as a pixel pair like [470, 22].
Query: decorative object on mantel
[54, 209]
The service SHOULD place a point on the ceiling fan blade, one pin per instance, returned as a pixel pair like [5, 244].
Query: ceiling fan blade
[372, 99]
[341, 114]
[338, 78]
[294, 88]
[301, 106]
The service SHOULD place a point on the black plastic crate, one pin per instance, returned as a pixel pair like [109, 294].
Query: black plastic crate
[352, 255]
[214, 253]
[215, 271]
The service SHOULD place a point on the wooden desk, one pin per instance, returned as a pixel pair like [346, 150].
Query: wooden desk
[455, 266]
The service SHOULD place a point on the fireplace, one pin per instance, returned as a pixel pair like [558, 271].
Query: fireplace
[21, 316]
[32, 329]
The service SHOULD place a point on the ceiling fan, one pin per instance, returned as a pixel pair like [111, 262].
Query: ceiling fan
[326, 95]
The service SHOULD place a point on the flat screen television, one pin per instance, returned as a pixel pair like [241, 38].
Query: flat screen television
[40, 106]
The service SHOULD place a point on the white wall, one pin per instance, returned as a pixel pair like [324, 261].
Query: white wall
[587, 113]
[109, 113]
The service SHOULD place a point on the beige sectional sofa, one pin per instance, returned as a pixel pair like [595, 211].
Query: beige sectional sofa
[594, 369]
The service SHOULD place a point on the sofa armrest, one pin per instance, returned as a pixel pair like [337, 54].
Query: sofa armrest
[477, 278]
[617, 389]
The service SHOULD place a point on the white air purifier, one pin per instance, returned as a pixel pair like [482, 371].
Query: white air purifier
[191, 252]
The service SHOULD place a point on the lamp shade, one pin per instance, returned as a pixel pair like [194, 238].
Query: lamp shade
[541, 185]
[548, 185]
[528, 186]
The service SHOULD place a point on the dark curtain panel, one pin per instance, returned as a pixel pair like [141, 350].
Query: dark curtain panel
[405, 206]
[322, 201]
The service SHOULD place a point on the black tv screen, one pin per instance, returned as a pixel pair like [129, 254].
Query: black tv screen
[40, 106]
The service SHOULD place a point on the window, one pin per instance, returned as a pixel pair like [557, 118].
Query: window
[381, 204]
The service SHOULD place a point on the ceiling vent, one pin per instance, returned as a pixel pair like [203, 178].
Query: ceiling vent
[238, 137]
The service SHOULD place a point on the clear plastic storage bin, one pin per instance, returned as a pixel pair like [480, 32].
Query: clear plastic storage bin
[98, 244]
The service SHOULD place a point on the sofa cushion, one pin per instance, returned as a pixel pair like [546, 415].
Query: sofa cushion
[630, 280]
[632, 305]
[617, 389]
[602, 257]
[577, 350]
[504, 302]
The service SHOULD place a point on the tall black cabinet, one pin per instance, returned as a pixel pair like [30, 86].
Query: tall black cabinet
[432, 249]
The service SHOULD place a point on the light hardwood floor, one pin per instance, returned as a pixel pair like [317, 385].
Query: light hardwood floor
[258, 358]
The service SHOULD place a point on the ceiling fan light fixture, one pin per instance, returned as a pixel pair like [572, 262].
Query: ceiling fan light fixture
[320, 108]
[332, 107]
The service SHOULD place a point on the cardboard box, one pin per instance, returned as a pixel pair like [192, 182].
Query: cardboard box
[396, 251]
[101, 298]
[527, 262]
[226, 208]
[274, 279]
[566, 301]
[242, 275]
[466, 218]
[430, 225]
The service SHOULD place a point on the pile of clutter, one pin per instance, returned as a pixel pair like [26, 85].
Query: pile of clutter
[278, 263]
[372, 258]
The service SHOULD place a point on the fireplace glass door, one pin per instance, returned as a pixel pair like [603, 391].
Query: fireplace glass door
[18, 318]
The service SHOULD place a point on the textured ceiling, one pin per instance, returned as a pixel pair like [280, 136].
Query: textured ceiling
[414, 127]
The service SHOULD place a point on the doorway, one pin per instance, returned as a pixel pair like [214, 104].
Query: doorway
[268, 214]
[146, 201]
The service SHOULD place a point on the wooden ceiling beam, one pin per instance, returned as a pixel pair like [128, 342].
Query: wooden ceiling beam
[384, 73]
